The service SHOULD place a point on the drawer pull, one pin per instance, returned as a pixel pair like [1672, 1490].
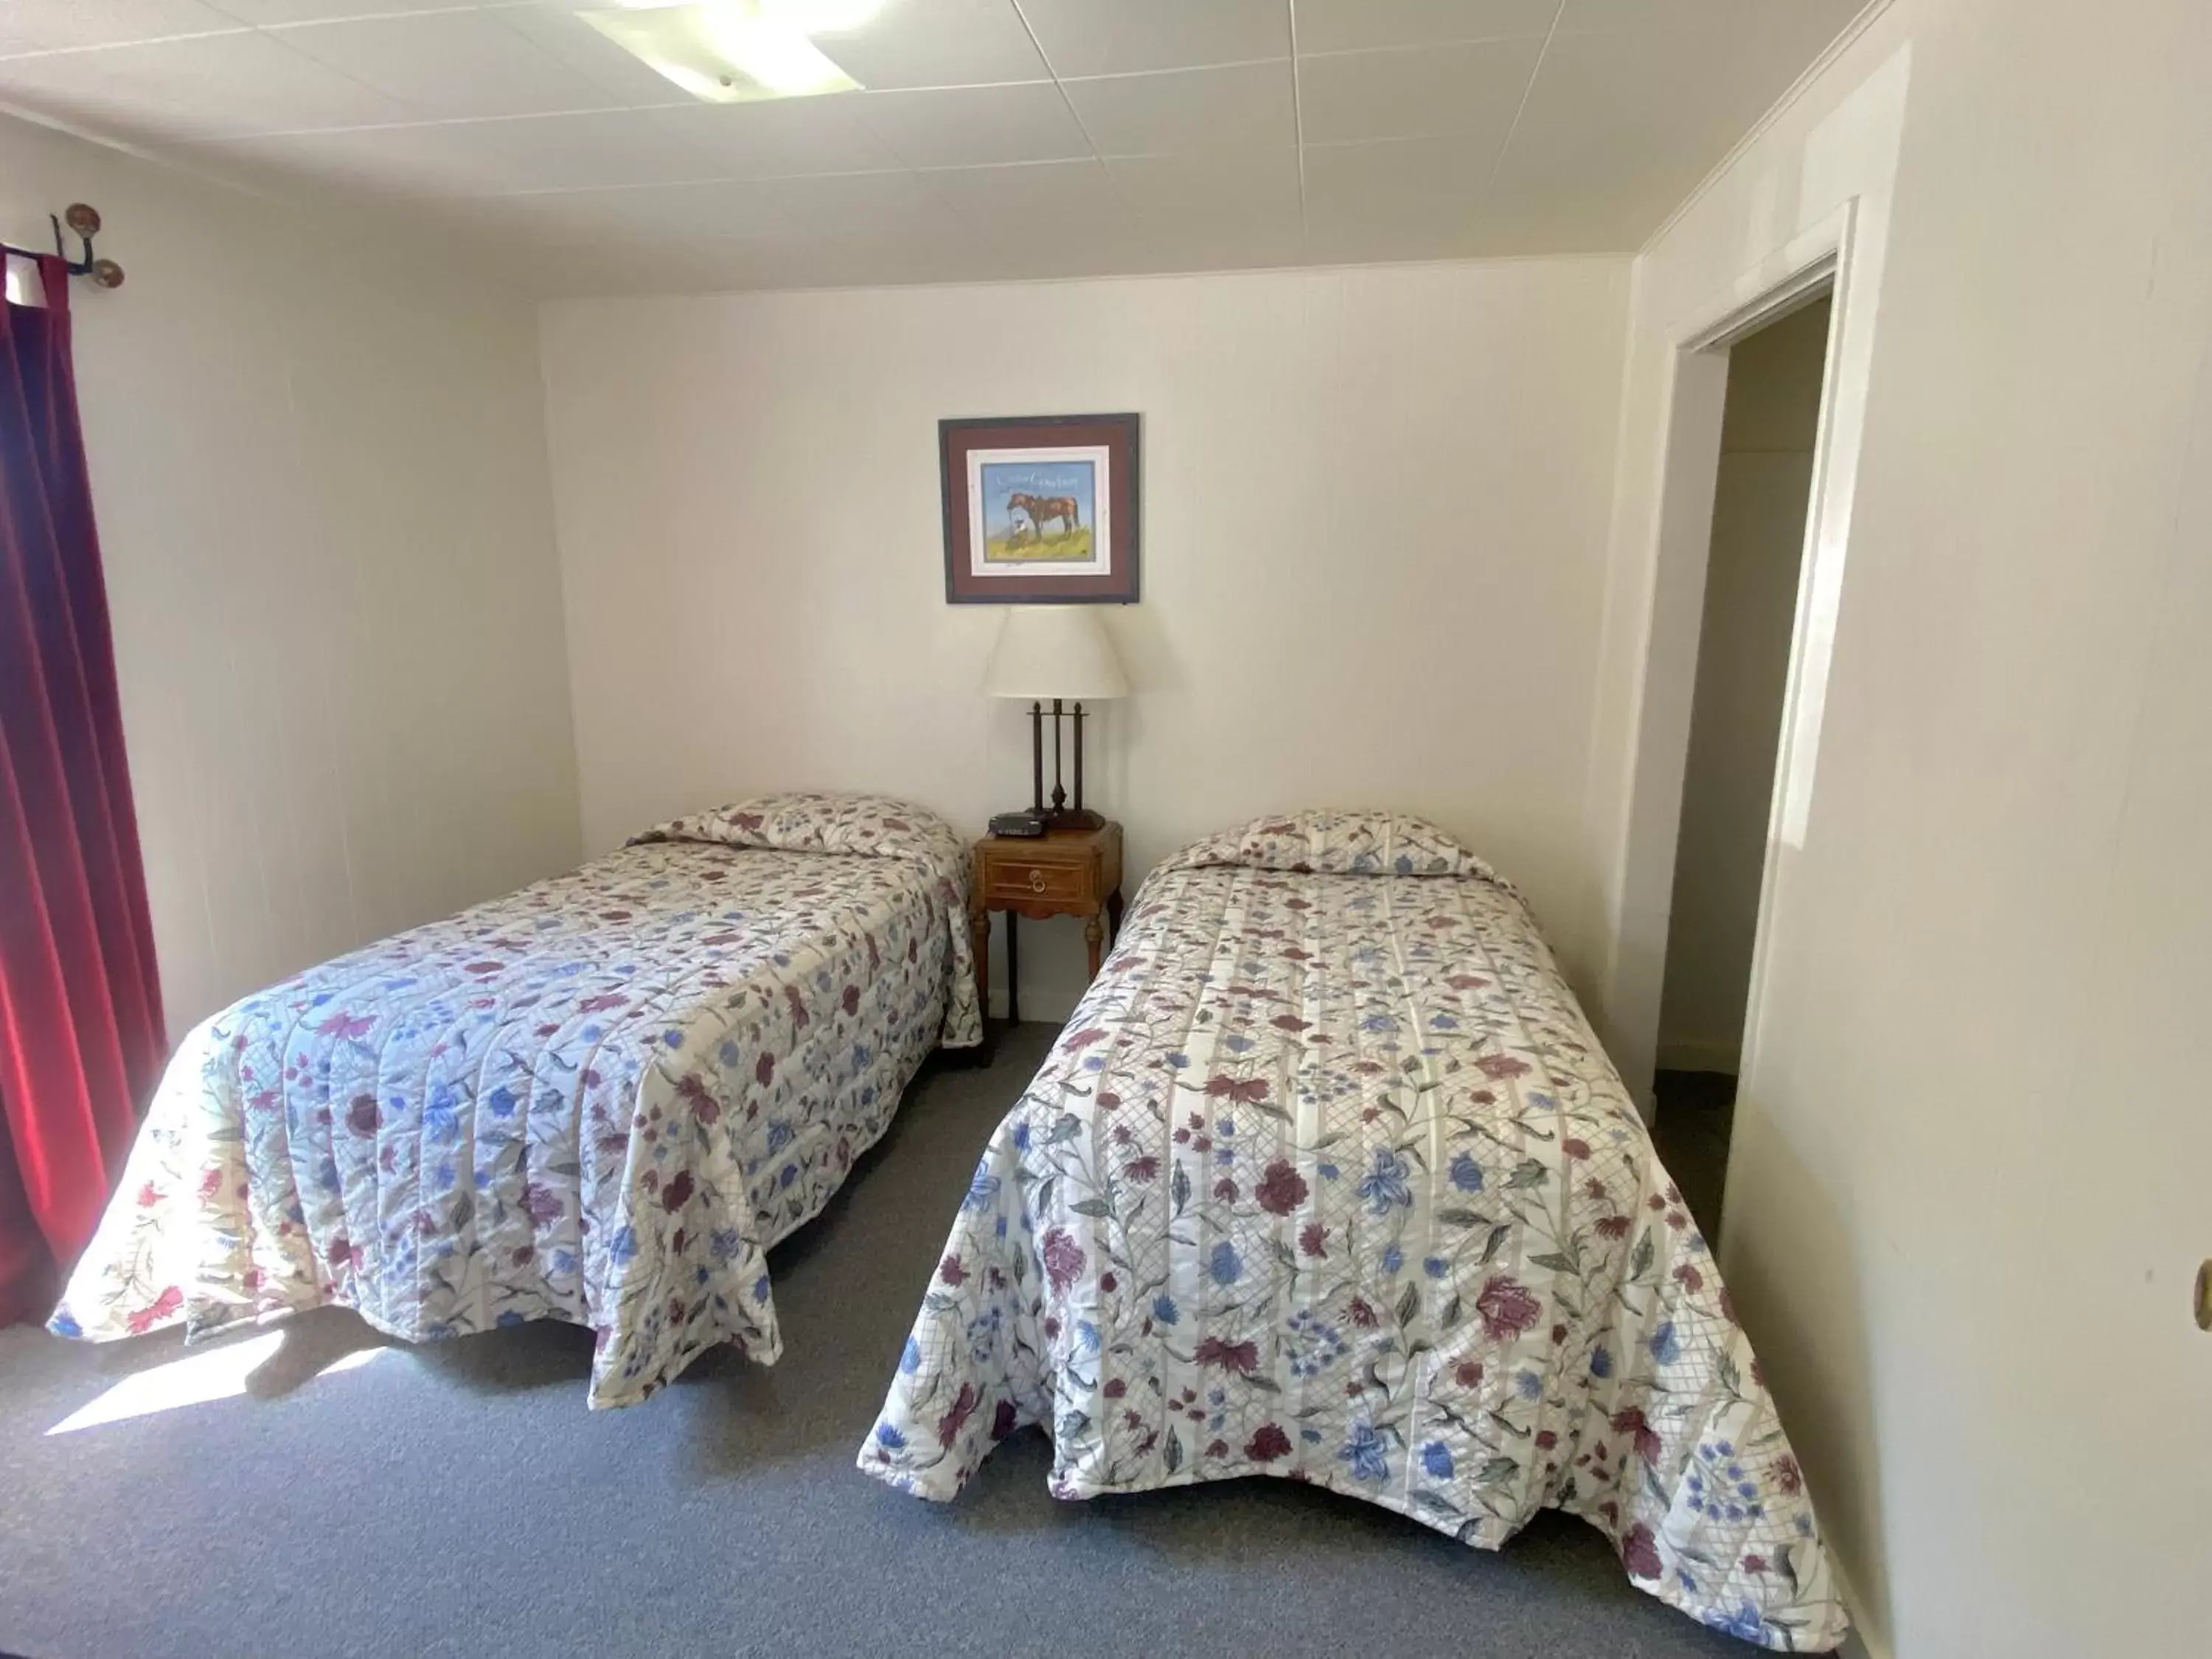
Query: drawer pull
[1037, 881]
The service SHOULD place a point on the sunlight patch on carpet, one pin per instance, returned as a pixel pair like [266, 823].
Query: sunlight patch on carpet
[194, 1380]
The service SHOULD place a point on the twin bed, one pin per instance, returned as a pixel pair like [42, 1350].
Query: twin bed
[599, 1100]
[1325, 1178]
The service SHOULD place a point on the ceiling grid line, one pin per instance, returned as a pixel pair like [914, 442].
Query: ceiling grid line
[1059, 85]
[1299, 125]
[1534, 69]
[116, 45]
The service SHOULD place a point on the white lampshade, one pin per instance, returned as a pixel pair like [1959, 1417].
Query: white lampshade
[1048, 651]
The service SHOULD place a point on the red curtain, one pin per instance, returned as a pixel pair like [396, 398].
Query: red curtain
[81, 1038]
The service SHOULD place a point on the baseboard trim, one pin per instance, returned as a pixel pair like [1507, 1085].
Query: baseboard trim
[1675, 1055]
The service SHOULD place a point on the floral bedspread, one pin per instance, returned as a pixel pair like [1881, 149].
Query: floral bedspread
[599, 1100]
[1327, 1178]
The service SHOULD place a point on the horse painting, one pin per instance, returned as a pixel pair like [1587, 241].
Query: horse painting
[1040, 509]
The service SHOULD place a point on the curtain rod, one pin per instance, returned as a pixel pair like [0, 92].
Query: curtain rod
[85, 222]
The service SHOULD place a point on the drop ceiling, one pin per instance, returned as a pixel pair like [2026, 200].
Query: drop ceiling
[994, 139]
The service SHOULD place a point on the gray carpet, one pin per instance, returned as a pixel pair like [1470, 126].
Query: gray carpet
[458, 1499]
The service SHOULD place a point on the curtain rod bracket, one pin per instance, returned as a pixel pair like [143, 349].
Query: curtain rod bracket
[84, 219]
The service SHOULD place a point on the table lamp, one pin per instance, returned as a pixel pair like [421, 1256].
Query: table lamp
[1055, 654]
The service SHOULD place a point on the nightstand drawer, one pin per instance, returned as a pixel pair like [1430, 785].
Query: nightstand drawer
[1018, 881]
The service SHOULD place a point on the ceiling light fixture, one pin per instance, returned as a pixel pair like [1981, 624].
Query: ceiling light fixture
[729, 52]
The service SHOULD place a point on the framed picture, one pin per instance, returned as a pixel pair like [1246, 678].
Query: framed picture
[1039, 509]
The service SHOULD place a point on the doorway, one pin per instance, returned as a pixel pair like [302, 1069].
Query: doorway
[1754, 566]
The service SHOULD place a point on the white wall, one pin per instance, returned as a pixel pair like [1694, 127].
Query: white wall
[1374, 537]
[319, 475]
[1763, 482]
[1968, 1188]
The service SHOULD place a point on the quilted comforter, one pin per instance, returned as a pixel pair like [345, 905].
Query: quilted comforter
[599, 1100]
[1327, 1178]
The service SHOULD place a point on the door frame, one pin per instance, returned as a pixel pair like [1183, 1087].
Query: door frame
[1825, 259]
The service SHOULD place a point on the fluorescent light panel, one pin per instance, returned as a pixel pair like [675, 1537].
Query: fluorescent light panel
[735, 51]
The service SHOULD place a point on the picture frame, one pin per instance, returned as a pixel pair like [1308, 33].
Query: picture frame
[1039, 509]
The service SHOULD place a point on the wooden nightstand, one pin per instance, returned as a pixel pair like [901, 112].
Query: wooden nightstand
[1068, 872]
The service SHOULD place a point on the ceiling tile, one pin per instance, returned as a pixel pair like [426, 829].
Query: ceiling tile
[1121, 252]
[627, 81]
[811, 263]
[64, 25]
[1236, 187]
[937, 43]
[311, 11]
[449, 64]
[1603, 219]
[595, 149]
[1017, 205]
[712, 266]
[1152, 214]
[1379, 235]
[724, 210]
[1787, 39]
[1186, 110]
[1126, 37]
[782, 135]
[1411, 198]
[718, 211]
[1473, 88]
[1618, 127]
[442, 159]
[208, 86]
[1222, 247]
[955, 253]
[871, 209]
[1351, 24]
[1414, 170]
[1220, 209]
[1606, 16]
[976, 126]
